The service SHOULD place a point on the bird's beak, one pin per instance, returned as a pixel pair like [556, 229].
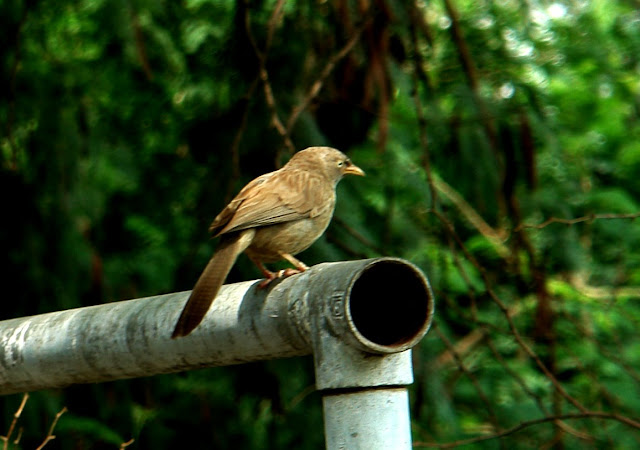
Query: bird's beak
[353, 170]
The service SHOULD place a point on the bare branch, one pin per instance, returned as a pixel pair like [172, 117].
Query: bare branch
[505, 311]
[521, 426]
[276, 16]
[264, 75]
[589, 218]
[140, 45]
[496, 238]
[328, 68]
[16, 416]
[418, 75]
[492, 415]
[50, 436]
[471, 73]
[126, 444]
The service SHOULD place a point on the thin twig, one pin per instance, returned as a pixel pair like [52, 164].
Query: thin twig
[50, 436]
[328, 68]
[264, 75]
[521, 426]
[418, 75]
[492, 415]
[588, 218]
[16, 441]
[505, 311]
[16, 416]
[471, 73]
[276, 15]
[140, 44]
[495, 238]
[358, 236]
[604, 351]
[126, 444]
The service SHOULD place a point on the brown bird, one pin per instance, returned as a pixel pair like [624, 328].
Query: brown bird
[274, 217]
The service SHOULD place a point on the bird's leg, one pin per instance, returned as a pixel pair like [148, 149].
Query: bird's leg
[270, 276]
[299, 265]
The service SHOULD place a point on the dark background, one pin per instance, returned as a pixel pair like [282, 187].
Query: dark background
[501, 142]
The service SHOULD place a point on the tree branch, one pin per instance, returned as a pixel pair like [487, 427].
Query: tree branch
[50, 436]
[262, 71]
[522, 425]
[328, 68]
[589, 218]
[16, 416]
[505, 311]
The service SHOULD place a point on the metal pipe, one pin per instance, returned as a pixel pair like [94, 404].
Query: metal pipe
[358, 318]
[367, 420]
[132, 339]
[363, 330]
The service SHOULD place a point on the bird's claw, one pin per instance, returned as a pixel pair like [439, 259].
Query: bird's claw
[283, 273]
[288, 272]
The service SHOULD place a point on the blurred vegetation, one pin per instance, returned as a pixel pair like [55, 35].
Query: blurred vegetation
[502, 146]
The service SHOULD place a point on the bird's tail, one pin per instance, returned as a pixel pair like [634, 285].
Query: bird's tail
[210, 281]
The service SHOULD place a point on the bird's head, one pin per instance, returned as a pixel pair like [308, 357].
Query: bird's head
[330, 162]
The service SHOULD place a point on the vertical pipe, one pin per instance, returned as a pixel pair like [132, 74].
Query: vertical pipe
[374, 419]
[363, 329]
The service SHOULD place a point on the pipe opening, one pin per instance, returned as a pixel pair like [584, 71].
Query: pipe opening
[391, 304]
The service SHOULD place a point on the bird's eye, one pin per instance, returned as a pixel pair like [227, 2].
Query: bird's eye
[340, 163]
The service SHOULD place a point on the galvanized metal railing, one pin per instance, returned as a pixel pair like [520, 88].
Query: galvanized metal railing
[359, 319]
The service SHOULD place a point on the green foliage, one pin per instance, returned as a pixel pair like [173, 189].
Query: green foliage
[501, 145]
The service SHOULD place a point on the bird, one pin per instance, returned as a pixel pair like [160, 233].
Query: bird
[274, 217]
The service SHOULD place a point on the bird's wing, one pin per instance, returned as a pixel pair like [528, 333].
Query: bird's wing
[276, 197]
